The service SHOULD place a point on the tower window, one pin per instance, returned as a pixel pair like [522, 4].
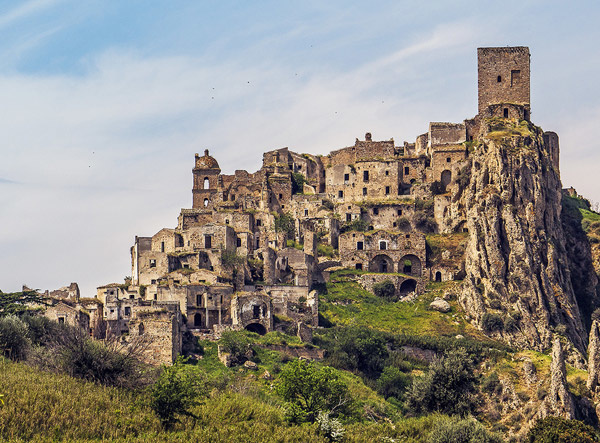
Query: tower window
[387, 172]
[505, 112]
[206, 184]
[499, 78]
[383, 245]
[399, 211]
[306, 212]
[280, 196]
[366, 176]
[448, 159]
[162, 246]
[387, 190]
[258, 222]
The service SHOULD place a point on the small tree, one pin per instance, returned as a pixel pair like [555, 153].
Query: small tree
[177, 390]
[462, 431]
[285, 223]
[491, 322]
[447, 387]
[20, 302]
[237, 344]
[298, 181]
[14, 337]
[309, 390]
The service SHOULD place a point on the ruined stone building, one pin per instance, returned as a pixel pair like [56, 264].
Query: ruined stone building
[248, 252]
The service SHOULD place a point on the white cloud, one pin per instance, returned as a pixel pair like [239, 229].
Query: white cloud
[26, 10]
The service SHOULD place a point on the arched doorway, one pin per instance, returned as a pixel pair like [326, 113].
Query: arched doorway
[381, 263]
[407, 287]
[141, 329]
[446, 178]
[256, 327]
[410, 265]
[198, 320]
[438, 276]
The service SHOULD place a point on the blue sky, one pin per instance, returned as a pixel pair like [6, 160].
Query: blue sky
[104, 103]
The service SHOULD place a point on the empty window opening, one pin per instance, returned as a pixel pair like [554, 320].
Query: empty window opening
[238, 242]
[127, 310]
[359, 245]
[141, 329]
[448, 159]
[255, 311]
[207, 241]
[346, 177]
[162, 246]
[186, 266]
[387, 172]
[387, 190]
[341, 194]
[383, 245]
[399, 211]
[359, 266]
[226, 221]
[348, 217]
[152, 282]
[152, 263]
[366, 176]
[407, 267]
[306, 212]
[259, 222]
[406, 170]
[438, 276]
[499, 78]
[375, 211]
[280, 196]
[205, 202]
[257, 243]
[206, 184]
[515, 77]
[155, 296]
[505, 112]
[198, 299]
[364, 191]
[61, 319]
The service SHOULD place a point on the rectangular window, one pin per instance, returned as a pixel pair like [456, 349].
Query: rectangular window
[256, 311]
[406, 170]
[383, 245]
[364, 191]
[127, 310]
[238, 242]
[306, 212]
[359, 245]
[341, 194]
[515, 77]
[375, 211]
[348, 217]
[359, 266]
[258, 222]
[365, 176]
[346, 177]
[207, 242]
[152, 263]
[387, 190]
[387, 172]
[399, 211]
[162, 246]
[61, 319]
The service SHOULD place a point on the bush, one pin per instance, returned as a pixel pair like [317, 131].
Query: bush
[14, 337]
[424, 222]
[309, 390]
[330, 428]
[176, 391]
[298, 181]
[358, 224]
[437, 188]
[238, 344]
[392, 383]
[491, 322]
[355, 349]
[561, 430]
[285, 223]
[447, 387]
[491, 384]
[109, 363]
[42, 329]
[386, 290]
[462, 431]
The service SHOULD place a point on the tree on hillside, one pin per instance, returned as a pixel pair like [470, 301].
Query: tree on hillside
[309, 390]
[18, 303]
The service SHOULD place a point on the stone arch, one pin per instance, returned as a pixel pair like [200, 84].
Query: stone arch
[256, 327]
[446, 178]
[206, 183]
[198, 320]
[410, 265]
[409, 285]
[438, 276]
[205, 202]
[381, 263]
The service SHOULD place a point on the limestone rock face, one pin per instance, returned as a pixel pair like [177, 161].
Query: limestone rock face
[560, 398]
[516, 261]
[593, 380]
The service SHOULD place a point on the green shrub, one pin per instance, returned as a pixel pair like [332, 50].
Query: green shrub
[392, 383]
[330, 428]
[425, 222]
[462, 431]
[298, 181]
[309, 390]
[177, 390]
[325, 251]
[491, 384]
[561, 430]
[238, 344]
[492, 322]
[358, 224]
[385, 290]
[285, 223]
[14, 337]
[447, 387]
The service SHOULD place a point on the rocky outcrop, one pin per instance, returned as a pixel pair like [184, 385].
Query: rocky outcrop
[440, 305]
[560, 400]
[593, 380]
[516, 262]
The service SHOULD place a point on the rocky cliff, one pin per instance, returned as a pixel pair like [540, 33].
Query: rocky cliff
[518, 283]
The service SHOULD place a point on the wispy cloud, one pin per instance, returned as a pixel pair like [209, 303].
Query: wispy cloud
[26, 10]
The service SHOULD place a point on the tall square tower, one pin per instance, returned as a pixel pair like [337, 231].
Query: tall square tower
[503, 77]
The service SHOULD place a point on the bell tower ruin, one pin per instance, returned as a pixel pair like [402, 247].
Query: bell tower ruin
[503, 82]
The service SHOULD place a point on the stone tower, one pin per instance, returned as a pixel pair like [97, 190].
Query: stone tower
[206, 180]
[503, 79]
